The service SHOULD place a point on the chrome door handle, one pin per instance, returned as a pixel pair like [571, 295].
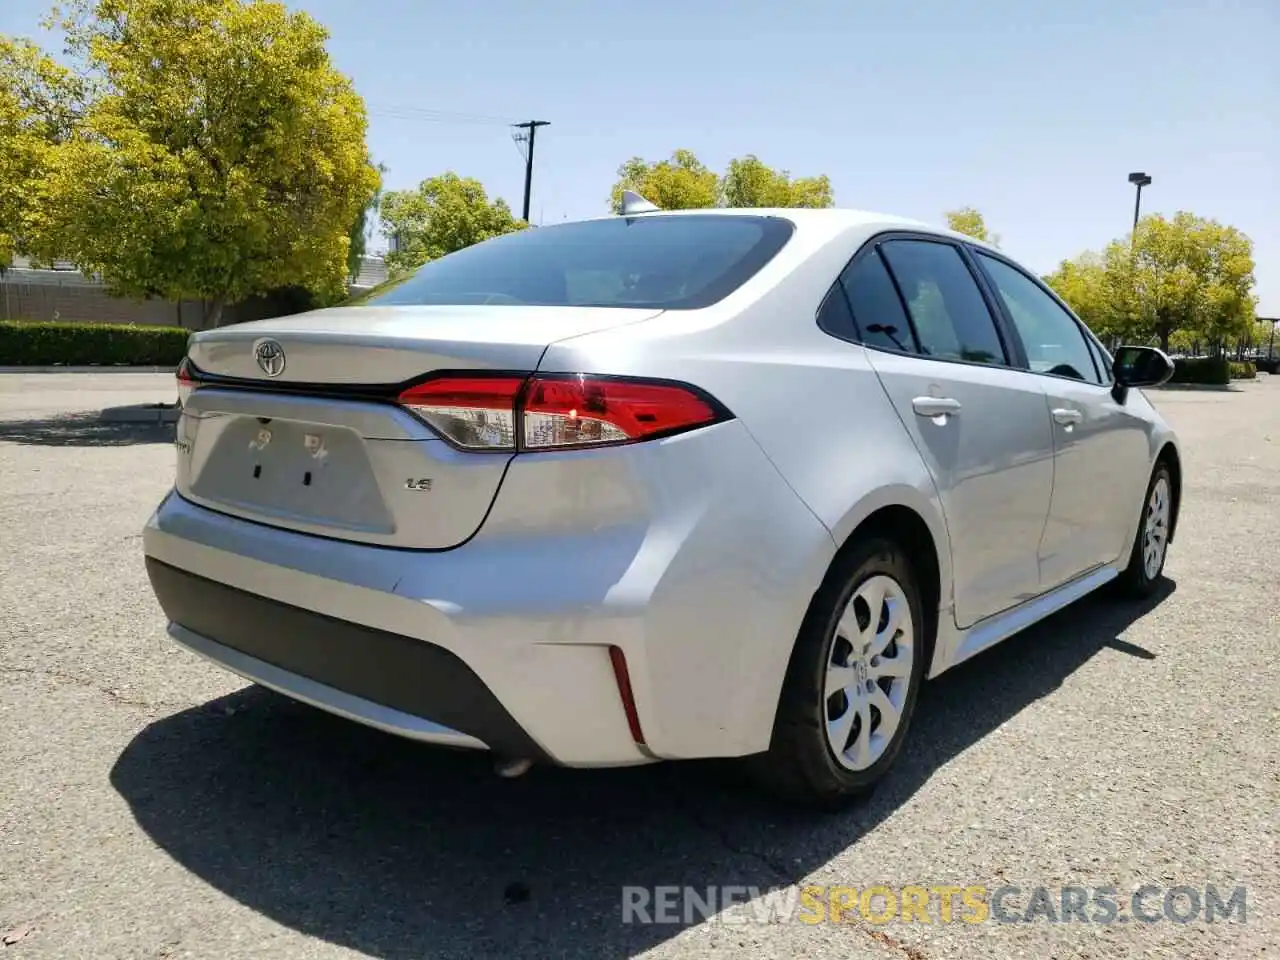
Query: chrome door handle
[1067, 416]
[935, 406]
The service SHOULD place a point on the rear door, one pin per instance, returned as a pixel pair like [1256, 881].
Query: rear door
[1101, 449]
[981, 427]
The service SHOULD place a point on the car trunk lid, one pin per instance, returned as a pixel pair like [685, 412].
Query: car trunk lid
[389, 345]
[307, 435]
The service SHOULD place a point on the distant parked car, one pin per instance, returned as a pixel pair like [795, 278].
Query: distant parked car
[659, 486]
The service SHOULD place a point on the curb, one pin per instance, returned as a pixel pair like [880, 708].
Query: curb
[88, 369]
[1218, 387]
[142, 413]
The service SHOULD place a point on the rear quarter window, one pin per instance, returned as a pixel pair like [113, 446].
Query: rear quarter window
[656, 262]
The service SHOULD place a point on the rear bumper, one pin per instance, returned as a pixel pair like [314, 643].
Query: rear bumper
[699, 574]
[402, 685]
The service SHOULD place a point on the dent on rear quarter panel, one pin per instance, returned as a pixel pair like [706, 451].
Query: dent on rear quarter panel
[690, 553]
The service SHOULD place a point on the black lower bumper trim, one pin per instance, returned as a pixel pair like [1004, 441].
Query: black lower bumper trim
[403, 673]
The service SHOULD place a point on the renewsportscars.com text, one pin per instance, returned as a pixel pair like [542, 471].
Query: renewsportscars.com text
[938, 903]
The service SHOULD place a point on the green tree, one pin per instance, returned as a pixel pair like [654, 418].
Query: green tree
[1083, 282]
[220, 155]
[40, 105]
[443, 214]
[970, 222]
[1188, 274]
[750, 183]
[680, 183]
[683, 182]
[1184, 283]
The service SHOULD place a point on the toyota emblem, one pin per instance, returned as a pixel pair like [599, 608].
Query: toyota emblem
[270, 357]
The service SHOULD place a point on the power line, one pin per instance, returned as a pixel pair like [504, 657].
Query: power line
[517, 139]
[429, 115]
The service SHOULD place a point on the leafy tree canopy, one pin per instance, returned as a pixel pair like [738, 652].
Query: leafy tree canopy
[443, 214]
[749, 183]
[218, 154]
[683, 182]
[40, 102]
[970, 222]
[1183, 274]
[680, 183]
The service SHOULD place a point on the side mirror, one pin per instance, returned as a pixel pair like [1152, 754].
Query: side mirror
[1139, 367]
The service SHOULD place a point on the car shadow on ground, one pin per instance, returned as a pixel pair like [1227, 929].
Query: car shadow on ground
[83, 430]
[401, 851]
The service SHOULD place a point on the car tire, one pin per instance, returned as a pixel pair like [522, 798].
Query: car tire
[1141, 578]
[837, 643]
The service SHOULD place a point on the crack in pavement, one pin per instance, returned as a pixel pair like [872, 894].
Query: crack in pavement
[115, 696]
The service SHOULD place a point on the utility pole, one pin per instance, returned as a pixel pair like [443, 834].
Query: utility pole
[532, 126]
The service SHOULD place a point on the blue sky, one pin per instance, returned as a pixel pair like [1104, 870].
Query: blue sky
[1034, 113]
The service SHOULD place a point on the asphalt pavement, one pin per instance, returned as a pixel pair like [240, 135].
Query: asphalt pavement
[152, 806]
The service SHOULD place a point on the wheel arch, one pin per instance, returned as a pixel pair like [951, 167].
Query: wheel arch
[1170, 457]
[910, 529]
[906, 527]
[912, 517]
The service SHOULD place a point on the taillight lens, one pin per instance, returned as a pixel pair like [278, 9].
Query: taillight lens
[186, 383]
[582, 411]
[556, 412]
[475, 413]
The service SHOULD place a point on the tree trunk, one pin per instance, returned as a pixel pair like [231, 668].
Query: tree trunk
[213, 311]
[1164, 338]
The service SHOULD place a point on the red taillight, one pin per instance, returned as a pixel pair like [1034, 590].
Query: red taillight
[581, 411]
[556, 412]
[186, 383]
[476, 413]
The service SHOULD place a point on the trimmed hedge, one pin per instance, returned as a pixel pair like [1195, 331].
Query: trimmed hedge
[1243, 370]
[1209, 370]
[24, 344]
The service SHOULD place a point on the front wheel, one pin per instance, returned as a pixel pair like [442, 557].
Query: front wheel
[852, 682]
[1150, 547]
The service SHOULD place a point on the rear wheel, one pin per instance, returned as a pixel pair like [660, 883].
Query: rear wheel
[1146, 561]
[852, 682]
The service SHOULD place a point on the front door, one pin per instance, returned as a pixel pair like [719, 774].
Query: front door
[1100, 449]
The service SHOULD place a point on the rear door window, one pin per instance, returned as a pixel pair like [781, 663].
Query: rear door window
[655, 262]
[877, 308]
[950, 315]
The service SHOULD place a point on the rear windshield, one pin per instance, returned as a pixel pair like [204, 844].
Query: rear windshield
[673, 263]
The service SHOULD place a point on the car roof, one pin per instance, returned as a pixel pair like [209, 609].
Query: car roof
[828, 220]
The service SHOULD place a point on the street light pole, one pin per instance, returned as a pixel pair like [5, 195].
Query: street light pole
[1139, 180]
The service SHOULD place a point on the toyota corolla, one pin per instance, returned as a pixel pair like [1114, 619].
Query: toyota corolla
[660, 486]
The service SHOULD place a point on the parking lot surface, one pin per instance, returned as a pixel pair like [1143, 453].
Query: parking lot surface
[152, 806]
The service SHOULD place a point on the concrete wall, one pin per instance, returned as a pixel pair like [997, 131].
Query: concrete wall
[66, 294]
[26, 296]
